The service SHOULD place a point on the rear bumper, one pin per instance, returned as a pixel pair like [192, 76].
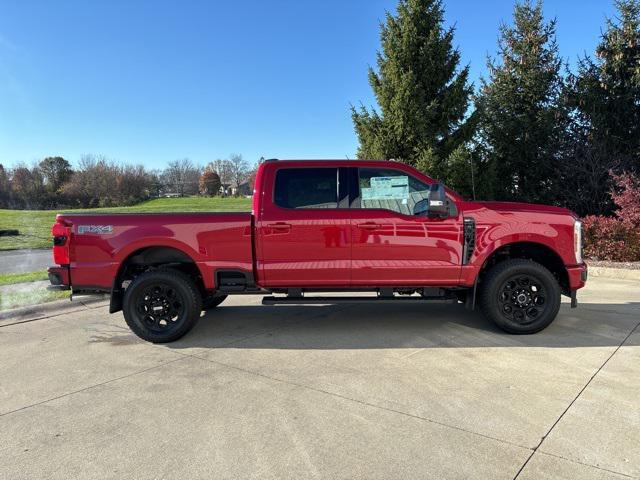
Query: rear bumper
[577, 276]
[59, 278]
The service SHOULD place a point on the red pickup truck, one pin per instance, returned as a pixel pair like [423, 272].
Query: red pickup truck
[327, 226]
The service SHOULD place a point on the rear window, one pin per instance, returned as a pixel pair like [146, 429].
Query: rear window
[306, 188]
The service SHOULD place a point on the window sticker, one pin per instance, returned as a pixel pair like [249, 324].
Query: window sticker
[387, 188]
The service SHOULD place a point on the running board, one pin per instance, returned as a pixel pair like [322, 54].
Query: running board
[300, 300]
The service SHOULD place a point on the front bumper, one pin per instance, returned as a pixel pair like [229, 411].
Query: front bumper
[577, 276]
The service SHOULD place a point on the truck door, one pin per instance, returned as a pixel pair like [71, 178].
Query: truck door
[303, 228]
[393, 244]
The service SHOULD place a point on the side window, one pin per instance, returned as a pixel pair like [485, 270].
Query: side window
[390, 189]
[306, 188]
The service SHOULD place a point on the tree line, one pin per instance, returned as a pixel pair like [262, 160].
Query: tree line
[533, 130]
[99, 182]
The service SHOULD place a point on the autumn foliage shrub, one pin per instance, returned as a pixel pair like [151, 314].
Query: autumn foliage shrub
[626, 196]
[616, 238]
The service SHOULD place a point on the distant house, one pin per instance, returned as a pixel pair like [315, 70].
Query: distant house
[226, 189]
[245, 189]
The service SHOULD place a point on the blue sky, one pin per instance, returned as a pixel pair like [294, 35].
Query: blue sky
[151, 81]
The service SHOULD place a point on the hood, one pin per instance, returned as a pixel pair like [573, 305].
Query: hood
[524, 207]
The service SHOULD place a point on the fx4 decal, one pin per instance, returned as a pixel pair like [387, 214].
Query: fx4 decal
[96, 229]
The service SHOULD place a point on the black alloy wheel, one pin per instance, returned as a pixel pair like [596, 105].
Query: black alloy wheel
[522, 299]
[520, 296]
[161, 305]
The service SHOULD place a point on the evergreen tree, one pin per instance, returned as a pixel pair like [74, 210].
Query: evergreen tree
[606, 90]
[604, 102]
[422, 95]
[522, 120]
[4, 187]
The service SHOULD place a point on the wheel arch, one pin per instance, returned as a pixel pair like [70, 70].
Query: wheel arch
[538, 252]
[150, 257]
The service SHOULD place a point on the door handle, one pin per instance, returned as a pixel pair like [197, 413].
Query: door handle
[279, 226]
[368, 226]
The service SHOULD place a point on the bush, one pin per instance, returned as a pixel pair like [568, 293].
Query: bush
[616, 238]
[626, 196]
[608, 238]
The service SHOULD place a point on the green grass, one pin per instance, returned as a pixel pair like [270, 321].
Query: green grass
[27, 297]
[17, 290]
[13, 278]
[35, 225]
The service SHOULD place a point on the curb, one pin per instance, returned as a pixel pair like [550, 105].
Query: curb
[617, 273]
[49, 309]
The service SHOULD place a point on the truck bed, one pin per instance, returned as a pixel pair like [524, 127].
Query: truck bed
[101, 242]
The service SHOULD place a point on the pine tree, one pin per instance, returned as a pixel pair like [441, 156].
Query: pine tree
[522, 120]
[423, 96]
[603, 98]
[606, 90]
[4, 187]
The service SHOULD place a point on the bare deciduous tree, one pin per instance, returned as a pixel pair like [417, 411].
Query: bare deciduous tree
[99, 182]
[239, 170]
[182, 176]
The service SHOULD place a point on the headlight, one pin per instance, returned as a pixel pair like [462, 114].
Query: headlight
[577, 240]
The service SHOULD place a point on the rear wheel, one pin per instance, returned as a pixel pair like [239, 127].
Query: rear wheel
[520, 296]
[161, 305]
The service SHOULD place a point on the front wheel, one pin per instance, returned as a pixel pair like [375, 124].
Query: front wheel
[520, 296]
[161, 305]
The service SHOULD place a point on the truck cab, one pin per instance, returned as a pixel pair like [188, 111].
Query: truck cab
[328, 225]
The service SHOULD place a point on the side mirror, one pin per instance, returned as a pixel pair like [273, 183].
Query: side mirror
[438, 202]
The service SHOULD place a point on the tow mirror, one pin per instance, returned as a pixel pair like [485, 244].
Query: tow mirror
[438, 202]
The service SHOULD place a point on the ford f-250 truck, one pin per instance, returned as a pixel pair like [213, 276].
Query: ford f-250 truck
[321, 226]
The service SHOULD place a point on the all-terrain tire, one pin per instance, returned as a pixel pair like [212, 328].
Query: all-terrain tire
[161, 306]
[520, 296]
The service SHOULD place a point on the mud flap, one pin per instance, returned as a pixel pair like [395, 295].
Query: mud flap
[115, 304]
[470, 300]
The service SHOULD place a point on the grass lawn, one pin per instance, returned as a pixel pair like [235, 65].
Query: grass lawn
[35, 225]
[18, 290]
[12, 278]
[27, 296]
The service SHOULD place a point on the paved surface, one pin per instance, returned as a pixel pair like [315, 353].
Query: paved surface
[366, 391]
[21, 261]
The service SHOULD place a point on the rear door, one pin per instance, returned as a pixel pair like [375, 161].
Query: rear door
[303, 228]
[392, 243]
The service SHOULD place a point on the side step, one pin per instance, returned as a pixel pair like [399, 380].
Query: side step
[300, 300]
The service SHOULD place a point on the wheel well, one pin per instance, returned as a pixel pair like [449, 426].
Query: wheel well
[150, 258]
[532, 251]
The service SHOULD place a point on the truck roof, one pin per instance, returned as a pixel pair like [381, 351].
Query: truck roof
[326, 160]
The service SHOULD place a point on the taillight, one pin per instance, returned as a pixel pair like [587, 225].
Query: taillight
[61, 234]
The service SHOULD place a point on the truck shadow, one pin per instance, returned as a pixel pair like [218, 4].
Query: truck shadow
[379, 326]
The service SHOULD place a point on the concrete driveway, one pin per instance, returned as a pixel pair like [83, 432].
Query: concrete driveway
[358, 391]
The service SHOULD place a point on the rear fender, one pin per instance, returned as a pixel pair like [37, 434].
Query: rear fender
[135, 248]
